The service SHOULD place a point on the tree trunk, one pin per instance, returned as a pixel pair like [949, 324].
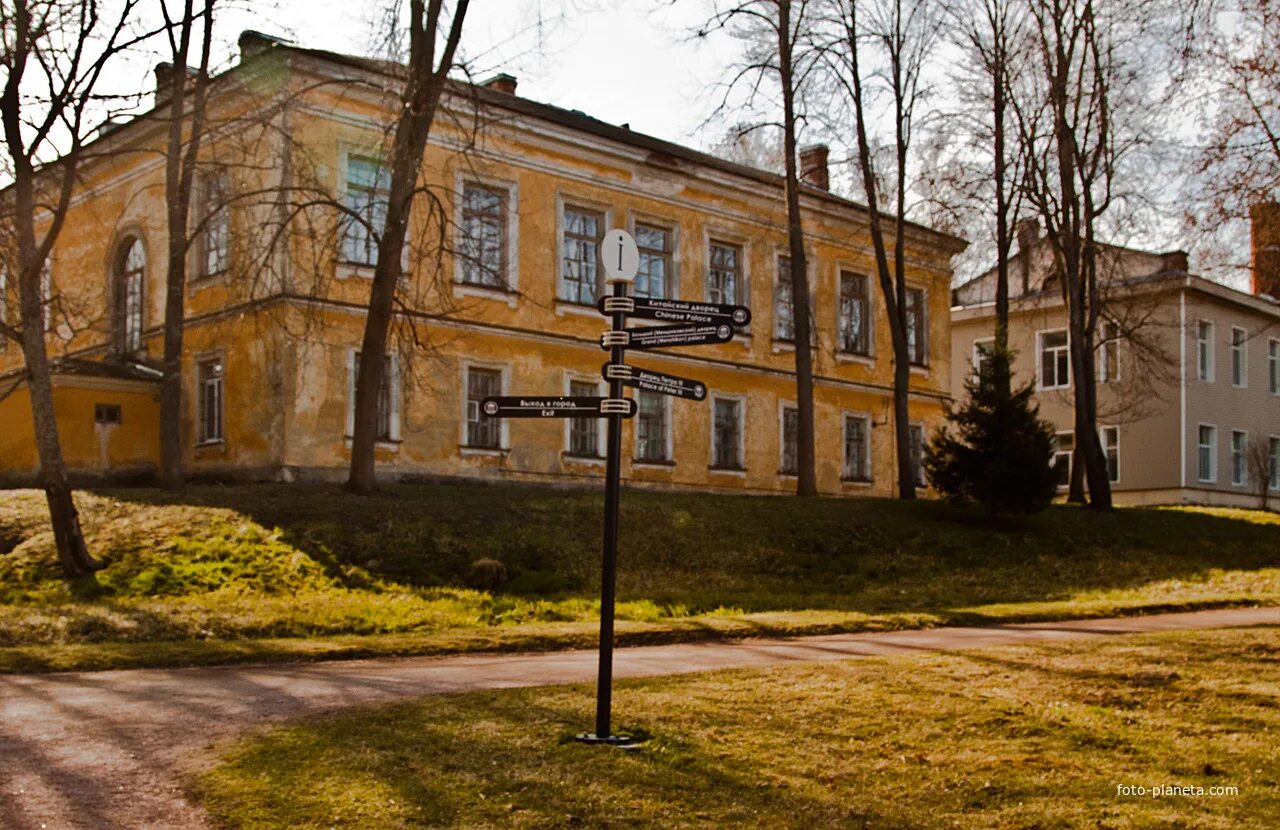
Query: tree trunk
[807, 479]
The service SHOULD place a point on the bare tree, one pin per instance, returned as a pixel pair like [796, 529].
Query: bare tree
[187, 99]
[434, 36]
[885, 49]
[55, 55]
[1262, 460]
[777, 50]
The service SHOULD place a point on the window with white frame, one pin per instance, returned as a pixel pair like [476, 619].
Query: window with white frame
[1055, 360]
[1111, 451]
[653, 277]
[857, 448]
[366, 196]
[1063, 453]
[580, 255]
[982, 354]
[215, 230]
[784, 324]
[388, 418]
[726, 434]
[916, 436]
[1109, 353]
[482, 431]
[209, 381]
[724, 275]
[584, 433]
[130, 269]
[1239, 458]
[855, 334]
[482, 243]
[789, 435]
[917, 327]
[651, 427]
[1204, 350]
[1207, 453]
[1274, 477]
[1239, 357]
[1273, 365]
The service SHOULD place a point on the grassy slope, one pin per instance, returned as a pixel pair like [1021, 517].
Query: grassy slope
[1003, 738]
[276, 572]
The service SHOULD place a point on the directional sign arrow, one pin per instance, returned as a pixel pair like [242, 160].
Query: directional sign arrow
[661, 337]
[651, 381]
[677, 311]
[556, 406]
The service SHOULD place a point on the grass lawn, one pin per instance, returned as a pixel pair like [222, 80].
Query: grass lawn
[276, 572]
[1014, 737]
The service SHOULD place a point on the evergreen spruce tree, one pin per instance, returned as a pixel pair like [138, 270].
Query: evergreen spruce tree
[995, 450]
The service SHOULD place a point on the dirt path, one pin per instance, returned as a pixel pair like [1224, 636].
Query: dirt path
[107, 749]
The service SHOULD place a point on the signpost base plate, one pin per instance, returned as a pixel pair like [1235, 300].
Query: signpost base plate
[620, 741]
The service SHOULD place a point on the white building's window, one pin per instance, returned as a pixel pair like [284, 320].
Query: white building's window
[726, 434]
[388, 424]
[1204, 350]
[857, 448]
[855, 321]
[483, 240]
[1239, 458]
[789, 435]
[1111, 450]
[917, 327]
[653, 277]
[1208, 453]
[982, 354]
[916, 433]
[209, 379]
[131, 266]
[1055, 360]
[584, 433]
[368, 189]
[1273, 365]
[724, 276]
[580, 255]
[1274, 478]
[215, 232]
[1109, 353]
[652, 422]
[483, 432]
[1062, 456]
[1239, 357]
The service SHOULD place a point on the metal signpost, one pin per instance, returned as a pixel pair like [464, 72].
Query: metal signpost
[694, 324]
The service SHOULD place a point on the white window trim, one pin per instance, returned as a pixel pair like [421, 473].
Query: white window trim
[1210, 349]
[563, 201]
[924, 368]
[1244, 358]
[974, 357]
[1040, 360]
[344, 270]
[1101, 368]
[1275, 489]
[711, 234]
[810, 268]
[1213, 454]
[783, 406]
[869, 321]
[504, 429]
[669, 436]
[1071, 460]
[205, 357]
[566, 451]
[867, 452]
[1102, 439]
[742, 434]
[393, 417]
[1244, 466]
[510, 294]
[672, 226]
[1273, 365]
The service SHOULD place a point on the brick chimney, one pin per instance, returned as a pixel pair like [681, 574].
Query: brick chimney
[1027, 233]
[251, 43]
[1264, 248]
[501, 82]
[813, 166]
[1174, 262]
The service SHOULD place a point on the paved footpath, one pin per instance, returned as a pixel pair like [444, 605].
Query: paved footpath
[100, 750]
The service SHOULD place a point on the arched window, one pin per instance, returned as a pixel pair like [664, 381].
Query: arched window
[131, 264]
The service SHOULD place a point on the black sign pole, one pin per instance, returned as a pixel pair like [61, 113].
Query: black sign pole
[609, 571]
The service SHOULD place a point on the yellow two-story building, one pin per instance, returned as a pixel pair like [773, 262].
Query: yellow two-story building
[498, 297]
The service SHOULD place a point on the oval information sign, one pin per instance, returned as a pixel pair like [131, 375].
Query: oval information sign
[619, 256]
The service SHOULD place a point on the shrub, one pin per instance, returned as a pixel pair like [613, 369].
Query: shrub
[486, 574]
[1000, 453]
